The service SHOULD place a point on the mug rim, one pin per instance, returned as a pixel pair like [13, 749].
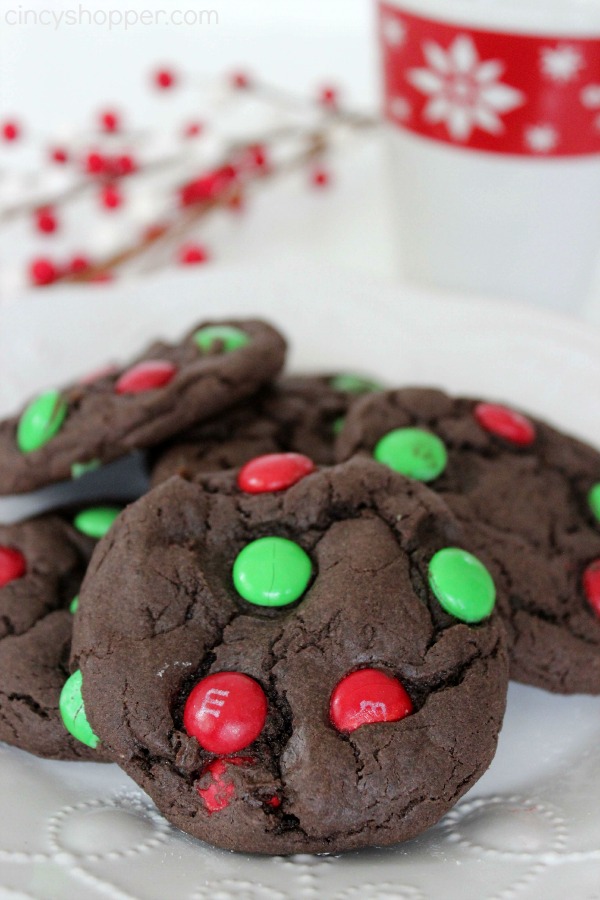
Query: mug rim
[566, 19]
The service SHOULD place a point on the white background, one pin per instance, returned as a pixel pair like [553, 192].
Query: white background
[46, 74]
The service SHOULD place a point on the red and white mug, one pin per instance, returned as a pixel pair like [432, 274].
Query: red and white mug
[494, 114]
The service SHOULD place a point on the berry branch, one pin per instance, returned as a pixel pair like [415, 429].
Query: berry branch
[299, 135]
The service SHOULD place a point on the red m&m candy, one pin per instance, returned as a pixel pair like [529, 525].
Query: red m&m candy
[591, 585]
[274, 472]
[12, 565]
[365, 697]
[220, 790]
[505, 423]
[146, 376]
[225, 712]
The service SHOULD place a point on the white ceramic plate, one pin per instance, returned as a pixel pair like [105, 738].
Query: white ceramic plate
[531, 827]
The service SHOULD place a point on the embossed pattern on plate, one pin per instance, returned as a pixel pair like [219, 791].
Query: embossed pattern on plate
[531, 827]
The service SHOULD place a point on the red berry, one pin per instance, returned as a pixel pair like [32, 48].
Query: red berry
[366, 697]
[164, 79]
[95, 163]
[11, 131]
[225, 712]
[591, 585]
[59, 155]
[122, 165]
[201, 190]
[207, 187]
[193, 129]
[45, 220]
[192, 254]
[42, 271]
[328, 96]
[78, 264]
[12, 565]
[505, 423]
[110, 121]
[257, 157]
[110, 196]
[146, 376]
[217, 795]
[320, 178]
[274, 472]
[240, 80]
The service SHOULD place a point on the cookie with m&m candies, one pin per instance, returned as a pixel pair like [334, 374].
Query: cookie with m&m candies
[63, 433]
[42, 563]
[528, 496]
[291, 659]
[300, 413]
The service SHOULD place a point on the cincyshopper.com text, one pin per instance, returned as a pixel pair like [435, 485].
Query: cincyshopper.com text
[111, 19]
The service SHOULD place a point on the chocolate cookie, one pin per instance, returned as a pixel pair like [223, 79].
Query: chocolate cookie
[61, 434]
[529, 497]
[308, 670]
[300, 414]
[42, 564]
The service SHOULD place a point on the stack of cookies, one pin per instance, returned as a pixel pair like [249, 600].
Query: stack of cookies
[300, 639]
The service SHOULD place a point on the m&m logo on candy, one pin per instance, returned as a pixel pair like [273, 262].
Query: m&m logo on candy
[366, 697]
[225, 712]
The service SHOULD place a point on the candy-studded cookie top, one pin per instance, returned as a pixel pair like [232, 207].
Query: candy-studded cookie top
[529, 499]
[299, 414]
[62, 433]
[354, 713]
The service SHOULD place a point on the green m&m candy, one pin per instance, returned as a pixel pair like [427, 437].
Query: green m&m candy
[272, 571]
[72, 711]
[74, 605]
[229, 336]
[594, 501]
[40, 421]
[413, 452]
[462, 584]
[354, 384]
[338, 424]
[95, 521]
[82, 468]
